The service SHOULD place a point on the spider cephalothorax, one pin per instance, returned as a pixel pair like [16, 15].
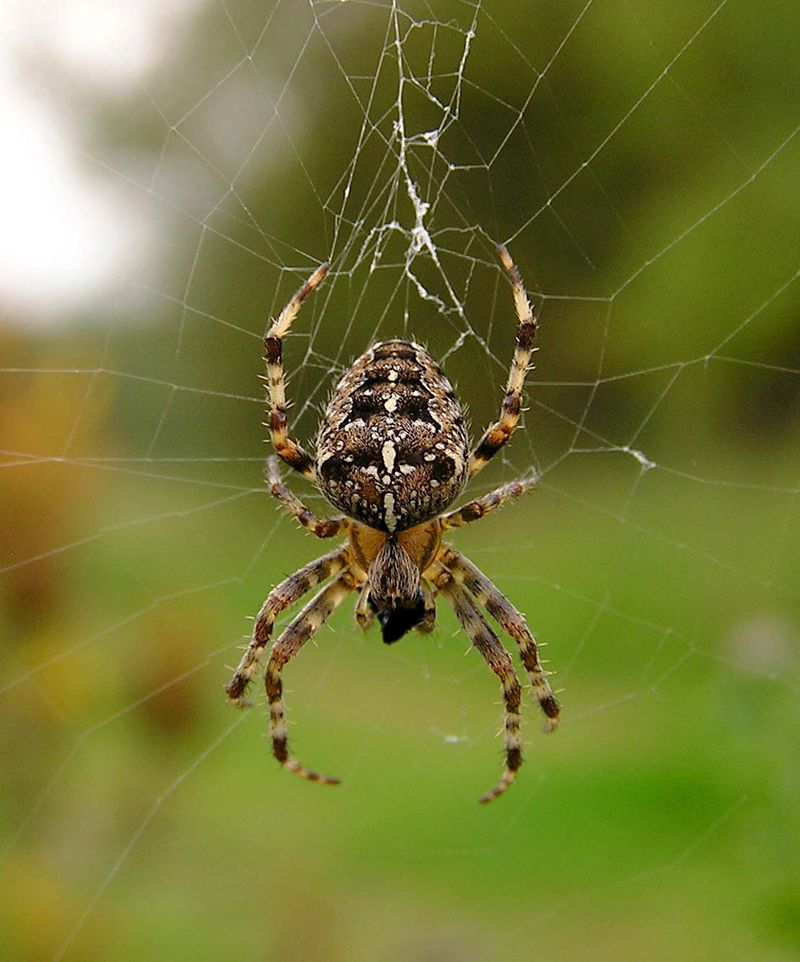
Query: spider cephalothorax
[393, 453]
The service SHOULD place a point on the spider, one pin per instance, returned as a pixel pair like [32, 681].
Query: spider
[392, 454]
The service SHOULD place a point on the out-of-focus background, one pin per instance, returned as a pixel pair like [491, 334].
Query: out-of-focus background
[171, 172]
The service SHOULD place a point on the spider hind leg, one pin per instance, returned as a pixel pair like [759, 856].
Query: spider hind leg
[307, 623]
[499, 661]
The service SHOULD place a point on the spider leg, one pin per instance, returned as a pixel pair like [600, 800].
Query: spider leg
[285, 447]
[429, 602]
[281, 597]
[511, 621]
[309, 621]
[364, 612]
[499, 660]
[496, 435]
[320, 527]
[476, 509]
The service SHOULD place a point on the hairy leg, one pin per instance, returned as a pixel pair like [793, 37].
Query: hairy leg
[285, 447]
[477, 509]
[281, 597]
[429, 604]
[307, 623]
[511, 621]
[496, 435]
[498, 659]
[320, 527]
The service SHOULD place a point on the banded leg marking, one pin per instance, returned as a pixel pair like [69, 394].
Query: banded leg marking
[499, 660]
[281, 597]
[285, 447]
[320, 527]
[307, 623]
[501, 430]
[475, 510]
[511, 621]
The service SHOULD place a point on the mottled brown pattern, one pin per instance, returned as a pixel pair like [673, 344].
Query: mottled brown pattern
[393, 449]
[393, 453]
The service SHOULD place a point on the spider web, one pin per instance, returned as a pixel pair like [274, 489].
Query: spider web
[639, 160]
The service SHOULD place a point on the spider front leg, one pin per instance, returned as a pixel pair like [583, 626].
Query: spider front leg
[285, 447]
[320, 527]
[498, 659]
[281, 597]
[365, 614]
[307, 623]
[511, 621]
[429, 609]
[501, 430]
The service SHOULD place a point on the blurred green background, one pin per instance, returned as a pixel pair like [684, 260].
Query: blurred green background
[640, 159]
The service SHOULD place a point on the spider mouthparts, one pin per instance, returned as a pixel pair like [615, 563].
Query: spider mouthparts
[395, 622]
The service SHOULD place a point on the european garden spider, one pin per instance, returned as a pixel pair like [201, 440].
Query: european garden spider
[393, 453]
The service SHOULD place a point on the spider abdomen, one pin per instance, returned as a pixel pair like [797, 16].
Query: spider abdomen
[393, 449]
